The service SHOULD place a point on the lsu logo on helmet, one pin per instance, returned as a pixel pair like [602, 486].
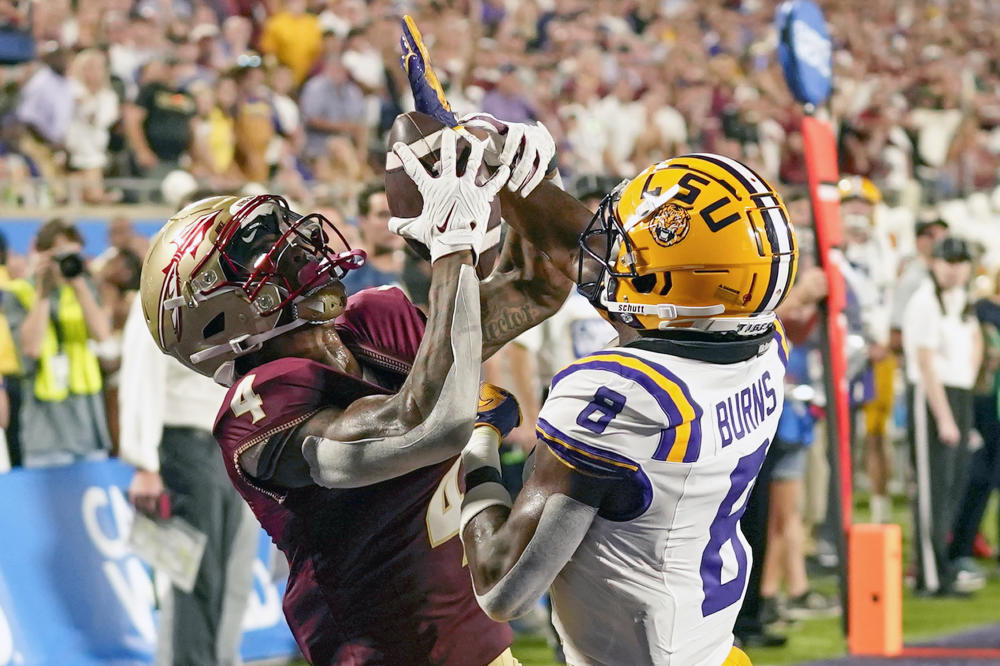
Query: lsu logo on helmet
[670, 224]
[699, 241]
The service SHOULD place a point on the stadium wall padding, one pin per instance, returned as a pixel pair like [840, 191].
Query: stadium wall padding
[72, 593]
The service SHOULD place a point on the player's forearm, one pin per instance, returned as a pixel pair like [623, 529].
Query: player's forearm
[452, 338]
[522, 292]
[513, 559]
[489, 556]
[431, 416]
[552, 220]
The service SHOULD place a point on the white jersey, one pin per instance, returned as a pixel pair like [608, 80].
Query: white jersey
[660, 579]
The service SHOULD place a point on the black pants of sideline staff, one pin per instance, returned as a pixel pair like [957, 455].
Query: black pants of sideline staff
[984, 476]
[203, 627]
[754, 526]
[941, 474]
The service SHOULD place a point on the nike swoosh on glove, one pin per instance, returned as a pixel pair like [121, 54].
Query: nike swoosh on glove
[428, 93]
[498, 409]
[456, 209]
[528, 149]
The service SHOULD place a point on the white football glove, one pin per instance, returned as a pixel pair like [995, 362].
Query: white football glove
[527, 149]
[456, 209]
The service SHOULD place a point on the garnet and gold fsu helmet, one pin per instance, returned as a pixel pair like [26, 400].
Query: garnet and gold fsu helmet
[227, 273]
[699, 241]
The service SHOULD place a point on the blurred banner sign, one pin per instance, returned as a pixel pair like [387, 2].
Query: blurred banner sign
[71, 589]
[805, 51]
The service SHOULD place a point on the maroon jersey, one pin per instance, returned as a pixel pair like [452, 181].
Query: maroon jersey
[376, 573]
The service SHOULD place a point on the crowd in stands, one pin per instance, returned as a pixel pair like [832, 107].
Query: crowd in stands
[127, 98]
[296, 96]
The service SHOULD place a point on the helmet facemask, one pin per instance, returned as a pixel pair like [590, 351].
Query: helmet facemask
[605, 242]
[284, 268]
[266, 243]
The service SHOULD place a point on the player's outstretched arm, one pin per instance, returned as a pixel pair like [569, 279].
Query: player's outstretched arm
[524, 289]
[515, 552]
[380, 437]
[533, 201]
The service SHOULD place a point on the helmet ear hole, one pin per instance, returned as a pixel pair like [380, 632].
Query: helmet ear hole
[668, 282]
[215, 326]
[644, 283]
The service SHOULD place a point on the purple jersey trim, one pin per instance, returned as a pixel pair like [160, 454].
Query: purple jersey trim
[604, 361]
[594, 461]
[782, 341]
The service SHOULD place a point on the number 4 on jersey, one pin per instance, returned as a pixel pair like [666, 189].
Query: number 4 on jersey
[245, 401]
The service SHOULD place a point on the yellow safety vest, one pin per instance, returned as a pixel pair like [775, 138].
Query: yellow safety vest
[84, 370]
[9, 364]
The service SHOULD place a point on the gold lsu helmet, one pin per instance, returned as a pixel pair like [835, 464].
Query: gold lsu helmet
[859, 187]
[699, 241]
[227, 273]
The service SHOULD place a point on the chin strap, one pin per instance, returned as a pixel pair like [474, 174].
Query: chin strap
[318, 306]
[664, 311]
[702, 318]
[245, 344]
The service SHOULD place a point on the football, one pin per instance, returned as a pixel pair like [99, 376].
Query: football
[422, 133]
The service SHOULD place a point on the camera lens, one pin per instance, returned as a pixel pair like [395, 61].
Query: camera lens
[71, 265]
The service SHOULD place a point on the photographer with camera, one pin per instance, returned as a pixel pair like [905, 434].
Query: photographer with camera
[58, 327]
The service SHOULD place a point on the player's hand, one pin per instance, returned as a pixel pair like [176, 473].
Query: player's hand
[456, 209]
[428, 94]
[528, 149]
[145, 490]
[948, 432]
[498, 409]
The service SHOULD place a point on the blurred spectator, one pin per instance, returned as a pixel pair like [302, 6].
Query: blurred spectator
[334, 115]
[10, 369]
[234, 41]
[984, 470]
[46, 109]
[293, 36]
[160, 123]
[290, 136]
[751, 629]
[870, 274]
[943, 349]
[507, 100]
[56, 319]
[213, 147]
[255, 121]
[384, 248]
[117, 270]
[95, 110]
[785, 561]
[913, 272]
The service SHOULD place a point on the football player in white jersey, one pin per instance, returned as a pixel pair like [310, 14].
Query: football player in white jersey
[648, 450]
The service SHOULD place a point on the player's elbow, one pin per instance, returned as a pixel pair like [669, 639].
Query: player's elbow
[336, 464]
[504, 602]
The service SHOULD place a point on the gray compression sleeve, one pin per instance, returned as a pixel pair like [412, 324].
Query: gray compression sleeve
[441, 435]
[563, 525]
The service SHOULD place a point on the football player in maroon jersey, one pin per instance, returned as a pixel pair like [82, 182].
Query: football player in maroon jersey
[345, 416]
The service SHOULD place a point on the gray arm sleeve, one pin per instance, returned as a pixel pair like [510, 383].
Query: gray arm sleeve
[336, 464]
[563, 525]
